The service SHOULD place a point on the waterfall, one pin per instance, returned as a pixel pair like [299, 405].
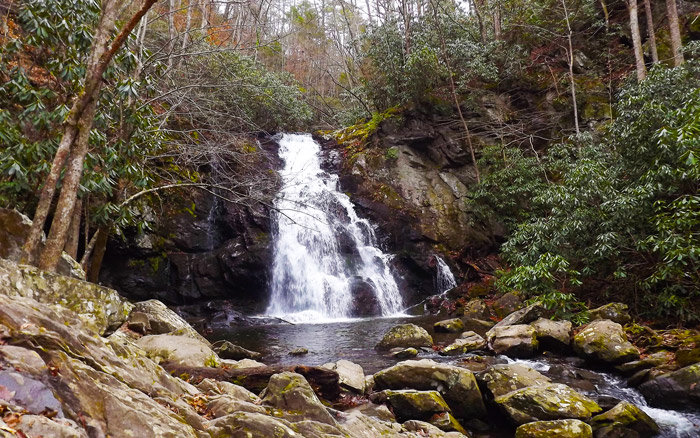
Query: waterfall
[321, 246]
[444, 279]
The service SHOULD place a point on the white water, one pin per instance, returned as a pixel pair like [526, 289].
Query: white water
[673, 424]
[444, 279]
[311, 277]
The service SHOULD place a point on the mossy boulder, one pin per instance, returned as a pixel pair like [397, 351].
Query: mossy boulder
[555, 429]
[446, 422]
[552, 401]
[410, 404]
[628, 416]
[506, 304]
[523, 316]
[351, 376]
[100, 308]
[468, 341]
[404, 336]
[688, 356]
[501, 379]
[251, 425]
[454, 325]
[457, 385]
[678, 389]
[403, 353]
[180, 350]
[604, 341]
[513, 340]
[616, 312]
[292, 394]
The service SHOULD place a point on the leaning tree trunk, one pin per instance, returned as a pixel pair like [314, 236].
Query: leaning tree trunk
[650, 31]
[74, 232]
[676, 42]
[636, 40]
[83, 112]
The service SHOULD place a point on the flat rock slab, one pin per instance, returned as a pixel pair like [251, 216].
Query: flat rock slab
[178, 349]
[323, 381]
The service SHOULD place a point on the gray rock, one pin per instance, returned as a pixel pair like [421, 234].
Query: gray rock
[468, 341]
[291, 393]
[409, 404]
[251, 425]
[555, 429]
[546, 402]
[674, 390]
[616, 312]
[33, 395]
[446, 422]
[403, 353]
[604, 341]
[628, 416]
[162, 320]
[350, 375]
[457, 385]
[454, 325]
[502, 379]
[222, 405]
[178, 349]
[301, 351]
[404, 336]
[555, 335]
[227, 350]
[214, 387]
[518, 340]
[40, 426]
[478, 326]
[523, 316]
[100, 308]
[139, 323]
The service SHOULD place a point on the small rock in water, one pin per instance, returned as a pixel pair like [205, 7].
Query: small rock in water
[469, 341]
[404, 353]
[454, 325]
[299, 352]
[405, 335]
[228, 350]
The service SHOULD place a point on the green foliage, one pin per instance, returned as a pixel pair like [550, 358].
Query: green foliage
[622, 210]
[392, 153]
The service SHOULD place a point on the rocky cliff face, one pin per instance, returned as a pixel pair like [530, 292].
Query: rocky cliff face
[201, 248]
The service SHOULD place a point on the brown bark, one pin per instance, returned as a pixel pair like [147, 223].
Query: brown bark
[74, 232]
[636, 40]
[98, 254]
[650, 31]
[82, 114]
[323, 381]
[571, 66]
[478, 6]
[674, 29]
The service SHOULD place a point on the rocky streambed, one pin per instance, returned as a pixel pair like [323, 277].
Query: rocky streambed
[71, 366]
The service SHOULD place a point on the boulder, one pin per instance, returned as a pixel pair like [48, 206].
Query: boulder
[100, 308]
[552, 401]
[554, 429]
[350, 375]
[615, 312]
[40, 426]
[518, 340]
[215, 387]
[507, 304]
[523, 316]
[446, 422]
[410, 404]
[103, 386]
[403, 353]
[653, 360]
[292, 394]
[162, 320]
[251, 425]
[501, 379]
[626, 415]
[553, 335]
[478, 326]
[227, 350]
[222, 405]
[457, 385]
[245, 363]
[674, 390]
[687, 356]
[405, 335]
[179, 350]
[468, 341]
[454, 325]
[604, 341]
[476, 309]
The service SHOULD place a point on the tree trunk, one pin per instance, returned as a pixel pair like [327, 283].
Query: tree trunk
[77, 132]
[171, 32]
[636, 40]
[650, 31]
[74, 232]
[497, 21]
[571, 66]
[478, 6]
[98, 255]
[676, 42]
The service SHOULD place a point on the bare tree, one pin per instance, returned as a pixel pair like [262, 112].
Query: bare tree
[674, 29]
[636, 40]
[650, 31]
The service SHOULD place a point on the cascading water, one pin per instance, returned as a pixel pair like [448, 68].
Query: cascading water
[320, 245]
[444, 279]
